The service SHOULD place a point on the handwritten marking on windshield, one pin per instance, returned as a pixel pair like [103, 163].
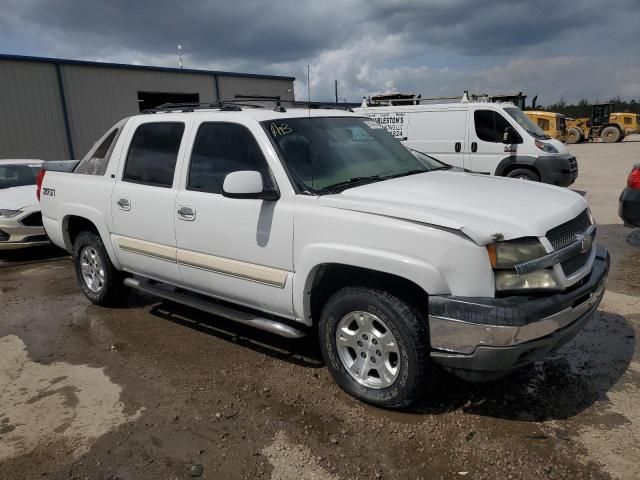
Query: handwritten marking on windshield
[280, 130]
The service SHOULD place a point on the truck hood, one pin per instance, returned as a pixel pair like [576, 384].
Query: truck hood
[15, 198]
[477, 205]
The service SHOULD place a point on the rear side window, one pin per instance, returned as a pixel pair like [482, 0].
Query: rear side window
[96, 162]
[490, 125]
[222, 148]
[153, 154]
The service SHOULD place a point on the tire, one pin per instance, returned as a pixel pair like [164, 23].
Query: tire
[611, 134]
[574, 136]
[524, 174]
[91, 261]
[621, 138]
[404, 377]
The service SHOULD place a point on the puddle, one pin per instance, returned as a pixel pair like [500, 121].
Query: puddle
[293, 462]
[59, 402]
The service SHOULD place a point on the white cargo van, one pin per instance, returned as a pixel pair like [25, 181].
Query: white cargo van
[489, 138]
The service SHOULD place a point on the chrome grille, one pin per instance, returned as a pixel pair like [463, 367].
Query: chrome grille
[564, 234]
[4, 236]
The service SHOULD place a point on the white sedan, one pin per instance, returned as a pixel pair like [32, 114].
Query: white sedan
[20, 217]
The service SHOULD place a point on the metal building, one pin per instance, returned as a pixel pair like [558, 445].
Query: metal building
[55, 109]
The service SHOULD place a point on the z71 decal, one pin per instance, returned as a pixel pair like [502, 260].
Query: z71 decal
[50, 192]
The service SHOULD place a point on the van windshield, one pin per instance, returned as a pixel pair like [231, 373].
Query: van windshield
[331, 154]
[526, 123]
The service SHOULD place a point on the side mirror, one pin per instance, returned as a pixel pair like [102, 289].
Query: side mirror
[247, 184]
[509, 136]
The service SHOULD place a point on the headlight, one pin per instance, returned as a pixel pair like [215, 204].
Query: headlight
[507, 254]
[546, 147]
[9, 213]
[538, 280]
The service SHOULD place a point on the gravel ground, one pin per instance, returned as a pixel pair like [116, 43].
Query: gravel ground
[159, 391]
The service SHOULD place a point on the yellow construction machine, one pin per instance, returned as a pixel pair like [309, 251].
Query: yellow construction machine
[604, 124]
[553, 124]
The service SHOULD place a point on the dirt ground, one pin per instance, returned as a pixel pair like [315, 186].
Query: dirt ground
[158, 391]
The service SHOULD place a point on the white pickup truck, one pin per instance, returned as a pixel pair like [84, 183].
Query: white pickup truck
[300, 221]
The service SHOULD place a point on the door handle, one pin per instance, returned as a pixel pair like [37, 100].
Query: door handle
[474, 146]
[187, 213]
[458, 147]
[124, 204]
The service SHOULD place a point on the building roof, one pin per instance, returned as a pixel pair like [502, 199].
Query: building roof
[124, 66]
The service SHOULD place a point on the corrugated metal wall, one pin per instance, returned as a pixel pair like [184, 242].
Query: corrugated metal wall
[32, 122]
[31, 118]
[232, 86]
[98, 97]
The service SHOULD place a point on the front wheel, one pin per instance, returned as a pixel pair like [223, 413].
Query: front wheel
[574, 136]
[376, 347]
[99, 280]
[611, 135]
[524, 174]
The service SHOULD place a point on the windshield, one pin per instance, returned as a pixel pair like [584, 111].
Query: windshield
[429, 162]
[329, 154]
[18, 175]
[526, 123]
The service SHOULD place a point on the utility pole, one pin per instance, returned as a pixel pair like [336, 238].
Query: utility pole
[336, 85]
[180, 56]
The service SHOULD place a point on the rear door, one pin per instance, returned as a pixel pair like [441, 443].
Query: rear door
[439, 133]
[486, 131]
[144, 196]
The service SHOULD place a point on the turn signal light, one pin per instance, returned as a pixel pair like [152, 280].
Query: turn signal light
[633, 181]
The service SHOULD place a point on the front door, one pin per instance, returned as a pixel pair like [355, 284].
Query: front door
[486, 131]
[143, 200]
[234, 249]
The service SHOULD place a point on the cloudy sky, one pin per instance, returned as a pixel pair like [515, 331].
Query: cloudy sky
[553, 49]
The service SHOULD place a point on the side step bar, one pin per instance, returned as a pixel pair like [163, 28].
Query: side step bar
[240, 316]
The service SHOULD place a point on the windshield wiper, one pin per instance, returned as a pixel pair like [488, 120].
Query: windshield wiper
[352, 182]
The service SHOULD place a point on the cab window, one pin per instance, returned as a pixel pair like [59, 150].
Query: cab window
[490, 125]
[220, 149]
[153, 154]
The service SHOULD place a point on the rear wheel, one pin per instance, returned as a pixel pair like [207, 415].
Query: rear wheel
[574, 136]
[99, 280]
[524, 174]
[376, 347]
[611, 134]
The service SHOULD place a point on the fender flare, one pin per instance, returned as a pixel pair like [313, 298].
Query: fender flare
[314, 256]
[525, 160]
[98, 219]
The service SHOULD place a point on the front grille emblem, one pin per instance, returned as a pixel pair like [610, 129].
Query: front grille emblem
[585, 242]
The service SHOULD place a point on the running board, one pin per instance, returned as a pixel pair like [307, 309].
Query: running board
[246, 318]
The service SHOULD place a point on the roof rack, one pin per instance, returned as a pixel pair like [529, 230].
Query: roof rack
[235, 105]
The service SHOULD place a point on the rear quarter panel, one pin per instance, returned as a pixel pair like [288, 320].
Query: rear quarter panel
[87, 196]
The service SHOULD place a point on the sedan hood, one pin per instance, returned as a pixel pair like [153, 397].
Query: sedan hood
[480, 206]
[15, 198]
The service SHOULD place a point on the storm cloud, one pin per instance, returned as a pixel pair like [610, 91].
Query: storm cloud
[571, 50]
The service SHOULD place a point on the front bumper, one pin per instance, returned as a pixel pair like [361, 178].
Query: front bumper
[560, 170]
[483, 338]
[16, 235]
[629, 207]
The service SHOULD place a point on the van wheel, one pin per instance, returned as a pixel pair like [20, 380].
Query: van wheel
[611, 135]
[376, 347]
[574, 136]
[524, 174]
[99, 280]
